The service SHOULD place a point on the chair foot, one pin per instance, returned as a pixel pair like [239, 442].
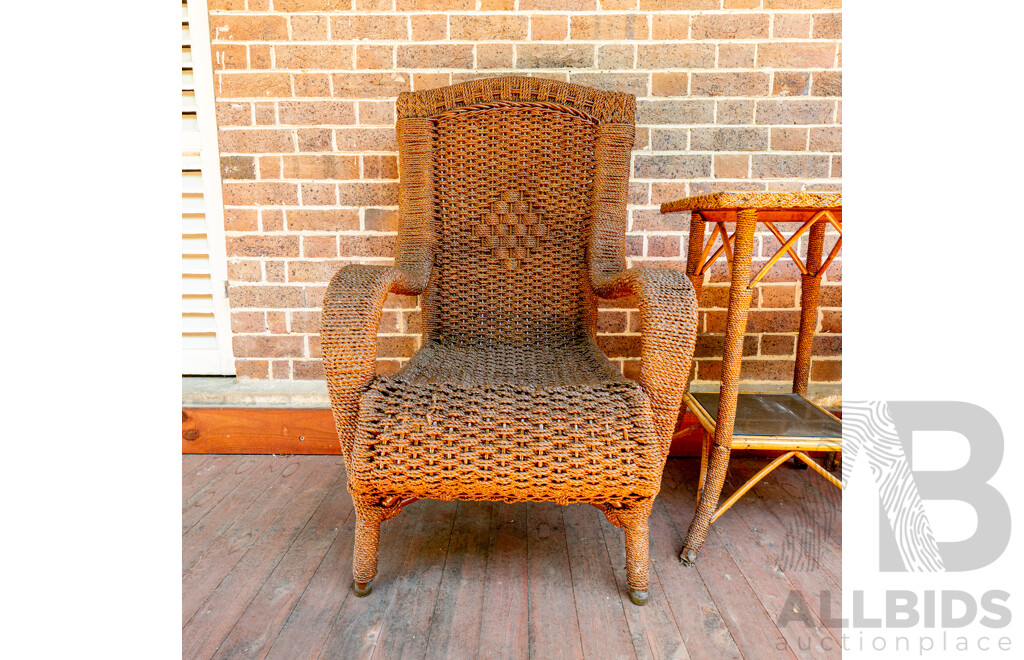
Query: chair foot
[638, 597]
[688, 557]
[362, 588]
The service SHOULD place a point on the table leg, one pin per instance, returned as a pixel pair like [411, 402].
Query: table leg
[693, 266]
[810, 288]
[735, 329]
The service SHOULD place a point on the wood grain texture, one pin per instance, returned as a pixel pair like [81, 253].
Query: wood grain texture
[272, 577]
[258, 431]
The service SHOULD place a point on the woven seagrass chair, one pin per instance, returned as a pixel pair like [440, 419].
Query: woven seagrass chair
[512, 211]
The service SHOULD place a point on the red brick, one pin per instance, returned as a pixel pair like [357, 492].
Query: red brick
[421, 81]
[319, 194]
[366, 139]
[314, 139]
[828, 26]
[796, 111]
[281, 369]
[781, 296]
[252, 369]
[322, 220]
[380, 220]
[491, 27]
[380, 167]
[630, 83]
[497, 5]
[270, 167]
[789, 139]
[308, 370]
[244, 271]
[265, 113]
[494, 56]
[230, 56]
[266, 346]
[796, 55]
[366, 246]
[558, 5]
[277, 323]
[678, 4]
[676, 166]
[617, 346]
[392, 347]
[731, 166]
[226, 5]
[312, 5]
[429, 27]
[309, 27]
[608, 27]
[803, 4]
[670, 26]
[259, 194]
[257, 85]
[263, 296]
[827, 370]
[670, 84]
[375, 5]
[378, 27]
[240, 219]
[312, 84]
[237, 167]
[440, 56]
[549, 27]
[675, 56]
[729, 139]
[305, 113]
[827, 83]
[736, 55]
[321, 167]
[675, 112]
[319, 246]
[747, 83]
[730, 26]
[313, 57]
[249, 322]
[611, 321]
[791, 83]
[234, 114]
[713, 346]
[554, 56]
[387, 367]
[827, 345]
[376, 113]
[791, 26]
[368, 194]
[262, 246]
[375, 57]
[826, 138]
[272, 219]
[663, 246]
[618, 4]
[370, 85]
[248, 28]
[305, 321]
[778, 345]
[796, 166]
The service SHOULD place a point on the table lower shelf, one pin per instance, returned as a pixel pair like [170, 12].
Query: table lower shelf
[772, 421]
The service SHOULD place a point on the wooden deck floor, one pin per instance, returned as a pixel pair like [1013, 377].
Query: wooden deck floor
[266, 563]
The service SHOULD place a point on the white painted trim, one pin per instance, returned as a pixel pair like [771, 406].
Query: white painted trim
[202, 68]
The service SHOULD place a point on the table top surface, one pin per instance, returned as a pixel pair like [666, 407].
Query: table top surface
[777, 200]
[763, 414]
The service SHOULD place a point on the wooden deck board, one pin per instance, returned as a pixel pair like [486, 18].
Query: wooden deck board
[475, 579]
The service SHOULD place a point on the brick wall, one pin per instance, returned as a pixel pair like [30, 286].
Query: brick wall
[732, 94]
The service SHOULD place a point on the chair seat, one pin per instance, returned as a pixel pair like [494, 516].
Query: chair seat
[510, 423]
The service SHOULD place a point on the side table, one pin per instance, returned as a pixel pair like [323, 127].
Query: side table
[785, 422]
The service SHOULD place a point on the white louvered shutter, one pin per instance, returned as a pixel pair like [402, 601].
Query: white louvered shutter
[205, 327]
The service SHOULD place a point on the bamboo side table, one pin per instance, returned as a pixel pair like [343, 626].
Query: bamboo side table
[785, 422]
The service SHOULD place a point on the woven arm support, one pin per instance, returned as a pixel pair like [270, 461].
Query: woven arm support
[668, 333]
[348, 334]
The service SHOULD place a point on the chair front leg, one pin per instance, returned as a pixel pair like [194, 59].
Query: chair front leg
[634, 518]
[367, 541]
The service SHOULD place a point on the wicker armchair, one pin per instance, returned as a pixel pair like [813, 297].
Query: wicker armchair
[512, 218]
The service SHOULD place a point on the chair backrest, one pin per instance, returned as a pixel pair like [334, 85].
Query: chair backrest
[508, 167]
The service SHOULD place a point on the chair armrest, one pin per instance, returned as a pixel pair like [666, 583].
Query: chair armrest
[668, 333]
[348, 335]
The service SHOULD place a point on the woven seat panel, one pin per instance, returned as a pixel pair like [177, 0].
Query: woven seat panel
[525, 366]
[582, 443]
[512, 196]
